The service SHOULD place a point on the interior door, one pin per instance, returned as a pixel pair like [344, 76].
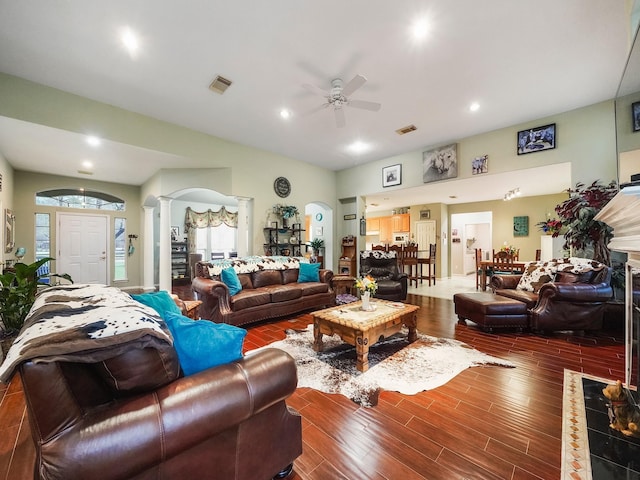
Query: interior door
[425, 236]
[82, 247]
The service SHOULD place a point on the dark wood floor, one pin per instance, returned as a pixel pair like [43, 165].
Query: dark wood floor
[488, 422]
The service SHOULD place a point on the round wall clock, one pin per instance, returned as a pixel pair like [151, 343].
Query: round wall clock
[282, 187]
[319, 217]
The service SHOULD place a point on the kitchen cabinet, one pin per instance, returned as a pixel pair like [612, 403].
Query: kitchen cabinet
[386, 230]
[373, 224]
[401, 222]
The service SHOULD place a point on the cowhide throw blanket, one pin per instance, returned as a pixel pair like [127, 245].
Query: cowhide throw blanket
[83, 323]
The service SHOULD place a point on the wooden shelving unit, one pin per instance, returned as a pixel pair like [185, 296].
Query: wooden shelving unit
[348, 263]
[284, 241]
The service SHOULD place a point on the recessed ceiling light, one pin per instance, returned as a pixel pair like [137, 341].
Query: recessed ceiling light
[358, 147]
[474, 107]
[284, 113]
[130, 41]
[419, 29]
[93, 141]
[87, 164]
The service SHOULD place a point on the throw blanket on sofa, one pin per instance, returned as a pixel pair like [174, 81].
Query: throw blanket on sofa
[255, 263]
[83, 323]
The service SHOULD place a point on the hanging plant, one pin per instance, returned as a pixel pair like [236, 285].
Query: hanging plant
[577, 214]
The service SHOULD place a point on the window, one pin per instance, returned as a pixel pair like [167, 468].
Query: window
[120, 255]
[215, 240]
[79, 198]
[43, 242]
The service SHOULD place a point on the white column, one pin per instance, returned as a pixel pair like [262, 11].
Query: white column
[148, 261]
[244, 221]
[165, 244]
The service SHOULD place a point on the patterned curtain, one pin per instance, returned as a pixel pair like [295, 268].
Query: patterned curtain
[194, 220]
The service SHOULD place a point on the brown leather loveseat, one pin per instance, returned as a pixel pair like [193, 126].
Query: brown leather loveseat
[270, 289]
[567, 294]
[126, 412]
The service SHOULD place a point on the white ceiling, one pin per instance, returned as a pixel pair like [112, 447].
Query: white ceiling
[519, 60]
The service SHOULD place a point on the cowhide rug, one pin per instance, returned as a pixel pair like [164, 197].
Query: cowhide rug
[394, 364]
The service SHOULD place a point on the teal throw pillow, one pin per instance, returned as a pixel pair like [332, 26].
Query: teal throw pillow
[230, 278]
[203, 344]
[160, 301]
[309, 272]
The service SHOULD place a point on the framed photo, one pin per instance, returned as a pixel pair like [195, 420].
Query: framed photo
[351, 216]
[319, 231]
[480, 165]
[635, 116]
[392, 175]
[440, 164]
[175, 234]
[425, 214]
[537, 139]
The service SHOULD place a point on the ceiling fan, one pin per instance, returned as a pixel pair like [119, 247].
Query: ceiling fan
[338, 97]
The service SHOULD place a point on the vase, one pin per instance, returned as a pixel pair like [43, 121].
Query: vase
[366, 303]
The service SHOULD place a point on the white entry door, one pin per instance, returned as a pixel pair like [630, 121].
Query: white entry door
[82, 247]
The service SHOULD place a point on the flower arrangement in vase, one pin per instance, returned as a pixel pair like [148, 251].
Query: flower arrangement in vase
[550, 227]
[367, 286]
[510, 249]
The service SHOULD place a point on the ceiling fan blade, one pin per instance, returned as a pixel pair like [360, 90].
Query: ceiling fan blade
[373, 106]
[339, 114]
[354, 84]
[315, 90]
[311, 111]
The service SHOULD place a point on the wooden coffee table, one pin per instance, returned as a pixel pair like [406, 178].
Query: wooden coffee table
[362, 329]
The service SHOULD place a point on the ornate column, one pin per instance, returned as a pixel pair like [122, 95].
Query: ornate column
[148, 265]
[164, 279]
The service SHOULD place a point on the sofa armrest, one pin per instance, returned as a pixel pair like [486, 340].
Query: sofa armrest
[575, 292]
[326, 276]
[214, 296]
[135, 435]
[504, 282]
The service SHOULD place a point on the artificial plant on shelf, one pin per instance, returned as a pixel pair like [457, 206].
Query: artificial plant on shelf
[576, 215]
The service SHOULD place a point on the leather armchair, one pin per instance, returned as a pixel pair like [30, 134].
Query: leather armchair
[383, 267]
[229, 421]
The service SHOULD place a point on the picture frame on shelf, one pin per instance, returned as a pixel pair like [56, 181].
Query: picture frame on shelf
[635, 116]
[392, 175]
[537, 139]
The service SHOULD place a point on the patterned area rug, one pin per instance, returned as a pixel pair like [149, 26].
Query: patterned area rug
[394, 364]
[590, 449]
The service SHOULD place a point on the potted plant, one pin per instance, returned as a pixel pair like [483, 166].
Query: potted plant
[18, 288]
[317, 244]
[577, 213]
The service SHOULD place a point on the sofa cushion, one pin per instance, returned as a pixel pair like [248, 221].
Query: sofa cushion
[309, 272]
[160, 301]
[283, 293]
[230, 278]
[535, 275]
[140, 370]
[202, 344]
[250, 298]
[290, 275]
[266, 277]
[312, 288]
[530, 298]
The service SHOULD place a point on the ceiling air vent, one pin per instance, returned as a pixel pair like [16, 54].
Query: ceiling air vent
[220, 84]
[85, 172]
[407, 129]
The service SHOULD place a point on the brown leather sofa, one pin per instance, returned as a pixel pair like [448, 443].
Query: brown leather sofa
[572, 301]
[268, 291]
[384, 268]
[125, 411]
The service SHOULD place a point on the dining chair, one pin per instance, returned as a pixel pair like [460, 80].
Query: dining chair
[382, 247]
[503, 263]
[538, 254]
[410, 260]
[478, 267]
[399, 255]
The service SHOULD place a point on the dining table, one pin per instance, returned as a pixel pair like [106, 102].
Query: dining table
[486, 265]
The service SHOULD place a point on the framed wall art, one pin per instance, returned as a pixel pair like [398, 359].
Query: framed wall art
[521, 226]
[440, 164]
[9, 231]
[392, 175]
[175, 234]
[537, 139]
[480, 165]
[425, 214]
[635, 116]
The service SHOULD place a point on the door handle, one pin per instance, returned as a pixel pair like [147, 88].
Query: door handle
[103, 258]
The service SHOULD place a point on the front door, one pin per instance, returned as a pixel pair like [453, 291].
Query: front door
[82, 247]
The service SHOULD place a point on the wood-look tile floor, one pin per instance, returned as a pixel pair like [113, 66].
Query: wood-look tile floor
[488, 422]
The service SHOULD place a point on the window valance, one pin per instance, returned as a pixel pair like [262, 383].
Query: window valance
[209, 218]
